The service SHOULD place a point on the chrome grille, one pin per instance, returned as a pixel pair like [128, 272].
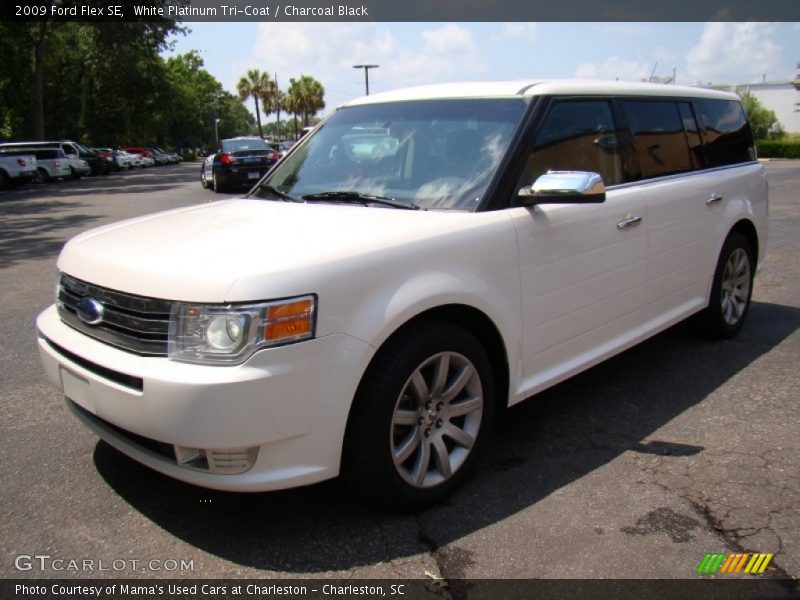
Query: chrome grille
[133, 323]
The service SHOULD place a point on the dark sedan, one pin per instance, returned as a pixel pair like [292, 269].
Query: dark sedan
[238, 162]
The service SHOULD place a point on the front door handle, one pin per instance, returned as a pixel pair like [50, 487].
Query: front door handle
[630, 221]
[713, 199]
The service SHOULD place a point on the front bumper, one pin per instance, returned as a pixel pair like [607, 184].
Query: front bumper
[290, 403]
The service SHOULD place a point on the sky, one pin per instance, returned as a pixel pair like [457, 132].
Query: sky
[420, 53]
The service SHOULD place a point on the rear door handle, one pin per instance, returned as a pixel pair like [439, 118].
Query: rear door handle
[713, 199]
[630, 221]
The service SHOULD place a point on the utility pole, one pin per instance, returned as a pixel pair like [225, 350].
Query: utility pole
[366, 73]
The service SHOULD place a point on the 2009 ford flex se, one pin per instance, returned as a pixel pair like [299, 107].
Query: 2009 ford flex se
[423, 257]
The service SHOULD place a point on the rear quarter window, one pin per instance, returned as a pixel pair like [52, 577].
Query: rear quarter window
[728, 137]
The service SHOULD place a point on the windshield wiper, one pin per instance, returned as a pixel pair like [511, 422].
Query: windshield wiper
[276, 192]
[358, 197]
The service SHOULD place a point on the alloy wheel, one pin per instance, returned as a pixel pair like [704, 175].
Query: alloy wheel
[735, 286]
[436, 419]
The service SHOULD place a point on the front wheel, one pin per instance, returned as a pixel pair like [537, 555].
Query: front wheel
[203, 180]
[420, 416]
[732, 288]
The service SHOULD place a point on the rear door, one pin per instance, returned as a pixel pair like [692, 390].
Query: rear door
[683, 205]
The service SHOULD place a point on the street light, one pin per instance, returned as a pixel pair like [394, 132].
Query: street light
[366, 73]
[216, 129]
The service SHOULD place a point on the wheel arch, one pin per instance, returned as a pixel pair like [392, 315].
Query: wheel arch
[747, 229]
[473, 320]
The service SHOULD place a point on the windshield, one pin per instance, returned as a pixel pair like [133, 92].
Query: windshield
[435, 154]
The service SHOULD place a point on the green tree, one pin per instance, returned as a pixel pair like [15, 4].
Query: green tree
[258, 86]
[763, 121]
[306, 96]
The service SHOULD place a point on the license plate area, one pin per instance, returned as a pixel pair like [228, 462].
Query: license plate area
[76, 388]
[253, 175]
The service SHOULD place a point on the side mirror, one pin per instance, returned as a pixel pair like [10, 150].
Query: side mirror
[564, 187]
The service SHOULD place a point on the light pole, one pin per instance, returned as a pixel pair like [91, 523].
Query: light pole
[366, 73]
[216, 130]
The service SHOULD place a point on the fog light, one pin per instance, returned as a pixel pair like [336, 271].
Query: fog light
[230, 461]
[191, 458]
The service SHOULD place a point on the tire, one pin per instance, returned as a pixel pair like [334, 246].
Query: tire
[203, 181]
[5, 181]
[74, 174]
[411, 441]
[731, 290]
[215, 184]
[42, 176]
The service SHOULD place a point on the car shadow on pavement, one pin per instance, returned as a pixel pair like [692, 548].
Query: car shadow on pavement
[537, 447]
[34, 229]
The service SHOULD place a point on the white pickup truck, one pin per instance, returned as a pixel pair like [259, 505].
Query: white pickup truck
[16, 169]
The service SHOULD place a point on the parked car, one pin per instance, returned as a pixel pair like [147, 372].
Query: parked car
[145, 156]
[16, 167]
[121, 160]
[237, 162]
[51, 163]
[365, 315]
[108, 155]
[159, 157]
[130, 160]
[172, 157]
[75, 152]
[282, 147]
[77, 166]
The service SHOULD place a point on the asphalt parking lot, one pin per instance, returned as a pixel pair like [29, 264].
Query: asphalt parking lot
[636, 468]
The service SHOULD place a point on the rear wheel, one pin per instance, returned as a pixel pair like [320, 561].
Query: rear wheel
[732, 288]
[420, 417]
[215, 183]
[5, 180]
[42, 176]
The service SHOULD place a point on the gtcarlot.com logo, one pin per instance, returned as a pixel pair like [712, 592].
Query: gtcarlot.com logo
[45, 562]
[740, 562]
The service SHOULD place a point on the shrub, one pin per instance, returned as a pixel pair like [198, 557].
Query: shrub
[188, 156]
[778, 148]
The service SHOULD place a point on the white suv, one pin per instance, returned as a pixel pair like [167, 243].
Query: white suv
[419, 259]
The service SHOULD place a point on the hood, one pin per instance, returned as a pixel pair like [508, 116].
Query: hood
[198, 254]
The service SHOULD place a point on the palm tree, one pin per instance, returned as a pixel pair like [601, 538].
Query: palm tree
[308, 96]
[280, 103]
[255, 85]
[291, 104]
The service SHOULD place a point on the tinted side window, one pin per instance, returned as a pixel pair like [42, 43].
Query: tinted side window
[660, 142]
[729, 139]
[692, 135]
[576, 136]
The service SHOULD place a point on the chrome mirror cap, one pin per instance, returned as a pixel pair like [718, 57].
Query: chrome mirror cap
[565, 187]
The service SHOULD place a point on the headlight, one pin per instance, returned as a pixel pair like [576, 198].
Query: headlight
[208, 333]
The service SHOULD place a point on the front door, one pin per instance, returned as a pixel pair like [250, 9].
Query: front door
[582, 266]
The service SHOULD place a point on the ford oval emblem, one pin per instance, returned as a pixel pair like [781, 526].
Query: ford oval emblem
[90, 310]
